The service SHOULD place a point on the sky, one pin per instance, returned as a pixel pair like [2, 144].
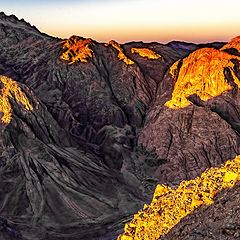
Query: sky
[132, 20]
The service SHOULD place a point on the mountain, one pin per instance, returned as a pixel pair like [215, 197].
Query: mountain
[205, 213]
[194, 128]
[89, 129]
[214, 220]
[196, 125]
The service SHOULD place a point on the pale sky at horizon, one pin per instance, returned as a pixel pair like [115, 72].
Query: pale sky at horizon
[132, 20]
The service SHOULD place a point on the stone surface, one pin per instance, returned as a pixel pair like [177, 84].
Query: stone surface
[196, 125]
[217, 221]
[171, 205]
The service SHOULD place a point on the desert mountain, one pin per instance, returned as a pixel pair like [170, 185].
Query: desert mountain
[89, 129]
[192, 128]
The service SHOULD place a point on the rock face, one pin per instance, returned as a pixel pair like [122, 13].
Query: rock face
[170, 205]
[86, 133]
[219, 220]
[195, 126]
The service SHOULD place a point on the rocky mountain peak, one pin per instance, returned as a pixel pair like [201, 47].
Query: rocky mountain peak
[203, 73]
[233, 44]
[10, 89]
[76, 49]
[13, 19]
[121, 54]
[17, 27]
[146, 53]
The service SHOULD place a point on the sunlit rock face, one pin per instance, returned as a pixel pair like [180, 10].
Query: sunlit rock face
[121, 54]
[233, 45]
[10, 89]
[170, 205]
[184, 127]
[201, 73]
[185, 124]
[77, 49]
[146, 52]
[220, 219]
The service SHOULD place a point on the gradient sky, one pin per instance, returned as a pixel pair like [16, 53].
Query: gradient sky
[129, 20]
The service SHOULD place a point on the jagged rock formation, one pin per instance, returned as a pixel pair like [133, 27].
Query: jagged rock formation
[170, 205]
[121, 55]
[219, 220]
[195, 126]
[76, 49]
[11, 90]
[71, 162]
[146, 52]
[232, 46]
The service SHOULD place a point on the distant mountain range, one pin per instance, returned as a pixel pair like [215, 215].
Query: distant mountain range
[88, 130]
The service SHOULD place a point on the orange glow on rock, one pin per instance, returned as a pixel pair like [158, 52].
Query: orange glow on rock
[11, 90]
[170, 205]
[234, 43]
[201, 73]
[121, 54]
[146, 53]
[76, 49]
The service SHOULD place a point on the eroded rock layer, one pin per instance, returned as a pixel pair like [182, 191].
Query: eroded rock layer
[76, 49]
[9, 90]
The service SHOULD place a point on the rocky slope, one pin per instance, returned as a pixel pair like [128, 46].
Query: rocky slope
[217, 221]
[185, 127]
[195, 126]
[89, 133]
[170, 205]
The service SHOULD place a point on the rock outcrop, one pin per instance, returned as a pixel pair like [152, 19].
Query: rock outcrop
[219, 220]
[187, 125]
[170, 205]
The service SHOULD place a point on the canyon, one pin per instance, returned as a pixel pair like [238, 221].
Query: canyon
[90, 132]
